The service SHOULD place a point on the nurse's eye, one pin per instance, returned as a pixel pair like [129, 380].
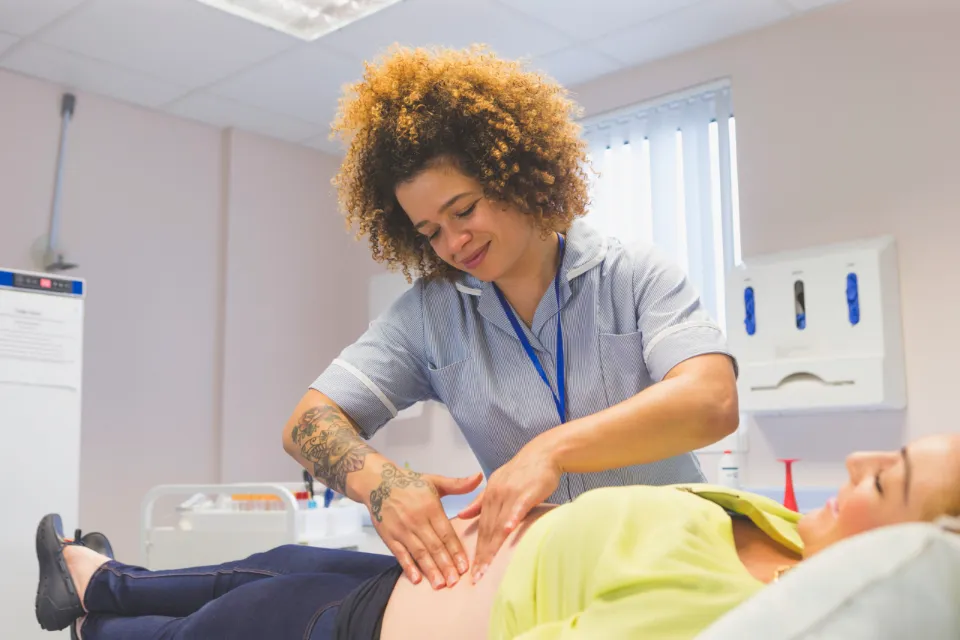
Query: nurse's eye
[466, 214]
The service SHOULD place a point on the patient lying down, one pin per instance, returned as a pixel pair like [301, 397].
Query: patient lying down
[615, 563]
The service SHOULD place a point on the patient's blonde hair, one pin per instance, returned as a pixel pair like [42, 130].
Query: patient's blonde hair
[945, 503]
[950, 523]
[944, 498]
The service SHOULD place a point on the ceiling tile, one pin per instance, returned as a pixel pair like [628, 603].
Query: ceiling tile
[304, 83]
[576, 65]
[182, 41]
[603, 16]
[223, 112]
[23, 17]
[81, 73]
[807, 5]
[695, 26]
[452, 23]
[6, 41]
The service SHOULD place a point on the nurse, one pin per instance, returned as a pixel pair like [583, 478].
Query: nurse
[568, 360]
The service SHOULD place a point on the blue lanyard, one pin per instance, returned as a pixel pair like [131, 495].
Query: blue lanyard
[560, 401]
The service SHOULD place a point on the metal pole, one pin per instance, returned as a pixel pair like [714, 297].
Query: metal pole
[66, 112]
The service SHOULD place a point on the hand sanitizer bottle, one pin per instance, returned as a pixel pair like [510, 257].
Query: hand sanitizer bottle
[729, 475]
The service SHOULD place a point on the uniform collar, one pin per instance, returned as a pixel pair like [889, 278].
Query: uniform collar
[585, 250]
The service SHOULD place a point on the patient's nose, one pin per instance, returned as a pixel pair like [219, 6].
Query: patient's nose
[854, 468]
[867, 462]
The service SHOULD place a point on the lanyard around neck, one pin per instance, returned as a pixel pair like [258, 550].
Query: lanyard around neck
[560, 398]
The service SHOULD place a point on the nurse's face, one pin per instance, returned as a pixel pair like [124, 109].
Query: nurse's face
[466, 230]
[919, 483]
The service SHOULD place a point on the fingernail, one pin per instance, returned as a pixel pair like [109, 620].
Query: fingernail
[438, 583]
[477, 574]
[462, 565]
[452, 579]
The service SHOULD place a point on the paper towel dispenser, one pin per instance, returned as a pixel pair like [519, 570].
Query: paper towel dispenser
[818, 329]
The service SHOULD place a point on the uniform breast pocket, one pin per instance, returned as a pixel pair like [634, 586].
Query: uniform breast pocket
[449, 381]
[624, 369]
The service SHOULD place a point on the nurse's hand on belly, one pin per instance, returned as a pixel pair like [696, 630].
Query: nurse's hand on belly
[406, 511]
[511, 492]
[461, 612]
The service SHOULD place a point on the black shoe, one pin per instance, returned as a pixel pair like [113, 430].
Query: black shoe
[57, 604]
[95, 541]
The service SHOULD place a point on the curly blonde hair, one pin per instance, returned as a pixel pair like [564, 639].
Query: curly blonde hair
[512, 130]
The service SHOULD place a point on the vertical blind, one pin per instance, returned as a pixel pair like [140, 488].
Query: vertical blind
[666, 173]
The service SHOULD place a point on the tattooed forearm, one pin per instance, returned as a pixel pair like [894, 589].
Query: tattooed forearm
[393, 478]
[331, 445]
[311, 420]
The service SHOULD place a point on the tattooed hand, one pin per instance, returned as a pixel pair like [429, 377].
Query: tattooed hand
[409, 517]
[393, 477]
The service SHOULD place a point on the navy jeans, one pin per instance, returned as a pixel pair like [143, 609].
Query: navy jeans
[291, 592]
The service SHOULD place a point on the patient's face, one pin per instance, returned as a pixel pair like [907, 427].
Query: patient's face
[921, 482]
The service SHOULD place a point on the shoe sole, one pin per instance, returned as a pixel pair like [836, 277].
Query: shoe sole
[56, 585]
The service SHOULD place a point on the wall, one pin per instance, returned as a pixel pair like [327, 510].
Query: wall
[847, 128]
[208, 257]
[430, 443]
[286, 317]
[140, 216]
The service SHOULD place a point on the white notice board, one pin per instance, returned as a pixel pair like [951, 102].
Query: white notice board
[41, 364]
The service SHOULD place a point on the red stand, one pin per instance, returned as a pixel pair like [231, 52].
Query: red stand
[789, 498]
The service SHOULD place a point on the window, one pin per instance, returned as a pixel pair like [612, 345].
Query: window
[668, 175]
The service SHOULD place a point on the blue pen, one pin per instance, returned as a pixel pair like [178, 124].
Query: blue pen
[327, 497]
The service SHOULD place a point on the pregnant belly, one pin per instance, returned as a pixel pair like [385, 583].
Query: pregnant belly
[462, 611]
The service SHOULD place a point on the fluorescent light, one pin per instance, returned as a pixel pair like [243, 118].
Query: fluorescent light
[304, 19]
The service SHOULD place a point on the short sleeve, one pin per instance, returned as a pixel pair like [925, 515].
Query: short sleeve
[670, 315]
[384, 371]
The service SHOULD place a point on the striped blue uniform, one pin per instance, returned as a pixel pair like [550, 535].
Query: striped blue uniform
[629, 317]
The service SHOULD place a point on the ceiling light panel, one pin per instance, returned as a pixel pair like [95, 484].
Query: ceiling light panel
[304, 19]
